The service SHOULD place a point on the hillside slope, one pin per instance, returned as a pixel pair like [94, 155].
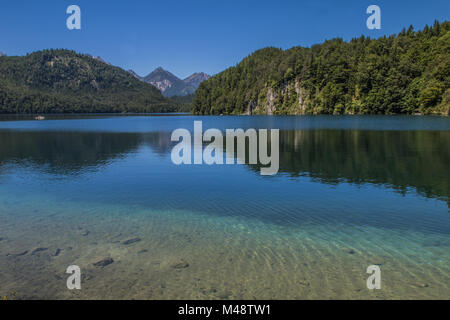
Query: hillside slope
[402, 74]
[62, 81]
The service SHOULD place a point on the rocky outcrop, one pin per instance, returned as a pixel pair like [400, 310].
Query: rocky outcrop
[302, 96]
[291, 97]
[162, 85]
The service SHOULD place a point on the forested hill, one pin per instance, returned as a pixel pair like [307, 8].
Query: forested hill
[405, 73]
[62, 81]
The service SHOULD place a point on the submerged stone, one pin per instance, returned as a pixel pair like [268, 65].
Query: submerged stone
[131, 241]
[37, 250]
[18, 254]
[349, 251]
[104, 262]
[180, 265]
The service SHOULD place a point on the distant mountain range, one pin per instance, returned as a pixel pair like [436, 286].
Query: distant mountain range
[166, 82]
[170, 85]
[62, 81]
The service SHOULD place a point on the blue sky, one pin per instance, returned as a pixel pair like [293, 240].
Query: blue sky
[186, 36]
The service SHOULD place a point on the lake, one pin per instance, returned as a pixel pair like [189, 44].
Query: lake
[102, 193]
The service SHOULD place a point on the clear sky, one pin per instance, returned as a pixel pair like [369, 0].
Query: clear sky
[187, 36]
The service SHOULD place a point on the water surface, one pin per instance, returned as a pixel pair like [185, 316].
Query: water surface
[351, 192]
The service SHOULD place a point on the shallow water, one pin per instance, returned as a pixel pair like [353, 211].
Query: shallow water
[351, 192]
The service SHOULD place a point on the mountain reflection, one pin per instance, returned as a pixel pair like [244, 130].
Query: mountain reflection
[65, 152]
[400, 159]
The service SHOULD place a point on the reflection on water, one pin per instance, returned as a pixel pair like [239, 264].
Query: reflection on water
[400, 159]
[351, 192]
[64, 152]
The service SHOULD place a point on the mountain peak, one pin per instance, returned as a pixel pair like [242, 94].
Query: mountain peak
[162, 79]
[196, 78]
[171, 85]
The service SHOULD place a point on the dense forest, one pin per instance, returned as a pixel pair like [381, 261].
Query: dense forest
[62, 81]
[184, 102]
[406, 73]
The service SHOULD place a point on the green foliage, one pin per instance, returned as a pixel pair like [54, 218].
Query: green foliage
[184, 102]
[62, 81]
[402, 74]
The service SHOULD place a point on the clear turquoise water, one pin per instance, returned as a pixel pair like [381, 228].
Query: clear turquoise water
[351, 192]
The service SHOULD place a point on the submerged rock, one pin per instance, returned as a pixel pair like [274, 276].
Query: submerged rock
[37, 250]
[18, 254]
[131, 241]
[349, 251]
[104, 262]
[180, 265]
